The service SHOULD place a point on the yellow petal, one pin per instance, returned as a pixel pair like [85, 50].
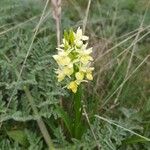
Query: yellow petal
[88, 51]
[64, 61]
[89, 69]
[73, 86]
[60, 77]
[79, 34]
[85, 59]
[89, 76]
[68, 71]
[56, 57]
[79, 76]
[85, 52]
[78, 43]
[62, 53]
[85, 38]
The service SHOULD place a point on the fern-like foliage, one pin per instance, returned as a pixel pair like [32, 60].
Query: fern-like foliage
[38, 73]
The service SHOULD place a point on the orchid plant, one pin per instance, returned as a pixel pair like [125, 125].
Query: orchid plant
[74, 66]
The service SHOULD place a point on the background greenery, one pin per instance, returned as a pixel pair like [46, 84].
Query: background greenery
[109, 23]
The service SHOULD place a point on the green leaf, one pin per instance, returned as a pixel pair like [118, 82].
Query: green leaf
[64, 116]
[18, 136]
[147, 106]
[134, 139]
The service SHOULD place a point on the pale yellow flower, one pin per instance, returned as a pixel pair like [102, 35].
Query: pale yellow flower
[85, 59]
[79, 76]
[64, 61]
[68, 70]
[86, 68]
[62, 58]
[84, 55]
[87, 71]
[79, 38]
[72, 86]
[89, 76]
[79, 35]
[74, 60]
[78, 43]
[60, 76]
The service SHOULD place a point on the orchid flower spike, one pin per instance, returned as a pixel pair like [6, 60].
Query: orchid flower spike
[74, 60]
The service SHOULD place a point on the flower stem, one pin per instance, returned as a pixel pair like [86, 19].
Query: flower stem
[78, 112]
[40, 122]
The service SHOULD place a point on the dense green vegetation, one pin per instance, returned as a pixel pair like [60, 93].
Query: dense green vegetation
[116, 104]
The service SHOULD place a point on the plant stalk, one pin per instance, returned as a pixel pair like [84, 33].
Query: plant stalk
[40, 122]
[78, 112]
